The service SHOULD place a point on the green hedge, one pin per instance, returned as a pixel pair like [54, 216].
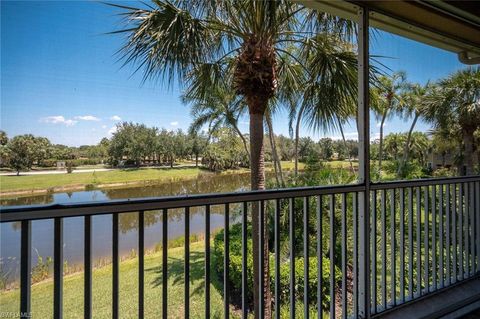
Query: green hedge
[235, 270]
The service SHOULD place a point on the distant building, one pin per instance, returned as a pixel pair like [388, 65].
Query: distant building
[439, 160]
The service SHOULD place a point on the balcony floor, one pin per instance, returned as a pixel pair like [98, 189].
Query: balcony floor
[461, 300]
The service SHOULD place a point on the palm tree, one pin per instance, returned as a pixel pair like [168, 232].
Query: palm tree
[456, 102]
[413, 106]
[243, 46]
[393, 144]
[220, 109]
[387, 102]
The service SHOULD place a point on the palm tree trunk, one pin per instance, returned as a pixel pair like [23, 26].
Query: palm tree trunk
[345, 144]
[244, 141]
[406, 148]
[257, 168]
[380, 147]
[297, 137]
[276, 160]
[468, 150]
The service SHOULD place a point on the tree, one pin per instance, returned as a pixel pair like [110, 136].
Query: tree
[413, 106]
[219, 109]
[242, 46]
[3, 138]
[326, 147]
[198, 145]
[132, 141]
[21, 152]
[393, 145]
[456, 101]
[387, 103]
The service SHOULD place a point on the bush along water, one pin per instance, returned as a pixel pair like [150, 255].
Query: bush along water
[235, 270]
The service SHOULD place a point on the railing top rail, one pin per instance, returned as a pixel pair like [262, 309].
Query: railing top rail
[424, 182]
[18, 213]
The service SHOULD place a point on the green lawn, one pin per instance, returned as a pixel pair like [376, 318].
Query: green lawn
[42, 293]
[47, 181]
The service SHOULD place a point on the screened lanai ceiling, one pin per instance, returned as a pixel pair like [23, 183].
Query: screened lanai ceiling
[449, 25]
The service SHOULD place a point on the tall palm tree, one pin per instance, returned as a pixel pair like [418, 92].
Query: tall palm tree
[456, 101]
[413, 106]
[243, 46]
[387, 102]
[220, 109]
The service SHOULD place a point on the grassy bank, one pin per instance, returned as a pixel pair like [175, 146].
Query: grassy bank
[42, 183]
[95, 179]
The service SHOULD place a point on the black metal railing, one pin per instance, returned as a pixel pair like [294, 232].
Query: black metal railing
[424, 236]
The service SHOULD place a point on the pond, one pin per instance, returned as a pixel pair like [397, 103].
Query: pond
[42, 230]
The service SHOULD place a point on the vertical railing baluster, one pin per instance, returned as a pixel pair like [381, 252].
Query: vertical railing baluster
[164, 263]
[87, 266]
[141, 263]
[460, 229]
[344, 255]
[447, 234]
[402, 245]
[434, 238]
[187, 263]
[332, 256]
[115, 267]
[320, 257]
[58, 269]
[277, 258]
[261, 258]
[441, 235]
[226, 262]
[477, 223]
[419, 240]
[244, 260]
[466, 233]
[306, 261]
[207, 261]
[292, 256]
[25, 266]
[426, 239]
[472, 228]
[393, 244]
[373, 266]
[355, 257]
[410, 243]
[383, 207]
[454, 233]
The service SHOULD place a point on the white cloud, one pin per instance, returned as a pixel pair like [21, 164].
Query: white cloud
[87, 118]
[58, 119]
[380, 124]
[116, 118]
[175, 123]
[374, 137]
[348, 136]
[104, 126]
[112, 130]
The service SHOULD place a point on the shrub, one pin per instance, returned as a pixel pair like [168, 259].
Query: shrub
[235, 269]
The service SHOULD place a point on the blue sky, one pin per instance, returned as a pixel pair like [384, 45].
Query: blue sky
[61, 78]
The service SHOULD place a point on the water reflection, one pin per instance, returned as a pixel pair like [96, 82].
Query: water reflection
[42, 230]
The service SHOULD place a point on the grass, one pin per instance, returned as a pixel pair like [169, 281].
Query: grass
[42, 293]
[48, 181]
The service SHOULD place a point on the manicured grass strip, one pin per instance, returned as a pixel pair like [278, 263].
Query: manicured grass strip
[46, 181]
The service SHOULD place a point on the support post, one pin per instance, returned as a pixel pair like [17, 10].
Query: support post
[364, 164]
